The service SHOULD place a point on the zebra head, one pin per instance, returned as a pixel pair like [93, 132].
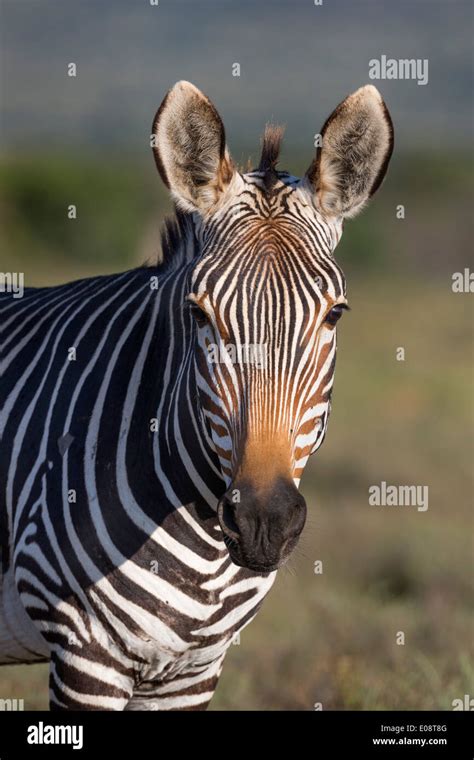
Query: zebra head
[265, 294]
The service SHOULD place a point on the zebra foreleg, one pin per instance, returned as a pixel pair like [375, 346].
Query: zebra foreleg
[77, 682]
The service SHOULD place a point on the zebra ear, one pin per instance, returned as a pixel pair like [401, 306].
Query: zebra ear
[357, 143]
[190, 150]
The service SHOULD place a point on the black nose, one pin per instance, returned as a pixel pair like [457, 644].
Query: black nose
[262, 528]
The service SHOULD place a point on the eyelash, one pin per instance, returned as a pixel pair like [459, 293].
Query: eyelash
[198, 314]
[335, 314]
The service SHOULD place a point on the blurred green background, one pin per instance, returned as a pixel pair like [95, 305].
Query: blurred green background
[325, 638]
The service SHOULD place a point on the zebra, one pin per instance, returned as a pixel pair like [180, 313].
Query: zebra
[149, 495]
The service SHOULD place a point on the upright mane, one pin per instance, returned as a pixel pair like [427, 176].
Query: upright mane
[178, 240]
[271, 146]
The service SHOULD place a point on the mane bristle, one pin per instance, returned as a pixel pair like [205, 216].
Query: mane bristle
[177, 236]
[271, 145]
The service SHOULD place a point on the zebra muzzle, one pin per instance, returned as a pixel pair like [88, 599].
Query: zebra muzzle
[261, 529]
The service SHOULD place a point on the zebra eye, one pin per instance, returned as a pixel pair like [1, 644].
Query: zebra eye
[335, 313]
[199, 315]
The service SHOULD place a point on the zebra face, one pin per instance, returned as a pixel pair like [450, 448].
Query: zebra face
[264, 298]
[265, 301]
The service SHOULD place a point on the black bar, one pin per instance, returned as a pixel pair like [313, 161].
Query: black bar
[317, 735]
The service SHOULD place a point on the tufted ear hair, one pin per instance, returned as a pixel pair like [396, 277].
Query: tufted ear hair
[190, 150]
[357, 143]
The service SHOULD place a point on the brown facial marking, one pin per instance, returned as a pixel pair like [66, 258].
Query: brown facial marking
[265, 460]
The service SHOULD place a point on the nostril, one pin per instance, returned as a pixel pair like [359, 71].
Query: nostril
[226, 513]
[298, 519]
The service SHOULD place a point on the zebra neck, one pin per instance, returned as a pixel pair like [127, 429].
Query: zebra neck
[185, 464]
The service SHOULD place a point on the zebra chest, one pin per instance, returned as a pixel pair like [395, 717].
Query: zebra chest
[165, 593]
[186, 625]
